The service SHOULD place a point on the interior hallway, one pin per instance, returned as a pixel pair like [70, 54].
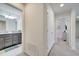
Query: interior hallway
[61, 49]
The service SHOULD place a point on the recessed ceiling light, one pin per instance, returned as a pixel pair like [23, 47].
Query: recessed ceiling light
[61, 5]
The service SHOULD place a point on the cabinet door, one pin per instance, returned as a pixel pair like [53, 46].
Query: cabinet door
[19, 38]
[8, 40]
[15, 39]
[1, 43]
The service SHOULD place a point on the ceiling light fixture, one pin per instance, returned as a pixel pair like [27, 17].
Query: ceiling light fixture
[61, 5]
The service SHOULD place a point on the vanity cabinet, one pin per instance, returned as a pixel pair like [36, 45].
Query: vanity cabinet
[8, 40]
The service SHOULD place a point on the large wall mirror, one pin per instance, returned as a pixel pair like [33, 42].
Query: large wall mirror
[9, 19]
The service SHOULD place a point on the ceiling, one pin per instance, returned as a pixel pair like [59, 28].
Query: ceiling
[67, 6]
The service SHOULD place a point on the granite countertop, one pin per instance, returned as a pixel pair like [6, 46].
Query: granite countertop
[10, 32]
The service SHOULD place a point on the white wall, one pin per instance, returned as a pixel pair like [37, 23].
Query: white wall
[51, 27]
[2, 26]
[35, 42]
[73, 32]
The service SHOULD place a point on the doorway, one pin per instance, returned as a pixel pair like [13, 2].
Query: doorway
[62, 29]
[77, 33]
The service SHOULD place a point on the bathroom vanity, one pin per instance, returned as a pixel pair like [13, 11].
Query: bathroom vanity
[9, 40]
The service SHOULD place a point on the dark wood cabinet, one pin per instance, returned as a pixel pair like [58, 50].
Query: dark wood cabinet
[15, 39]
[8, 40]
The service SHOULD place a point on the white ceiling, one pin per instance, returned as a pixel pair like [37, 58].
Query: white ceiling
[67, 7]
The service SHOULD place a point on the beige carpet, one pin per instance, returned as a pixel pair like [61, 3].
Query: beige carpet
[62, 49]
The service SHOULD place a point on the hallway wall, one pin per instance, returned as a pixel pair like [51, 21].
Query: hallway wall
[73, 32]
[51, 27]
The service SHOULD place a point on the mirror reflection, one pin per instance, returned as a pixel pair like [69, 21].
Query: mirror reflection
[10, 26]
